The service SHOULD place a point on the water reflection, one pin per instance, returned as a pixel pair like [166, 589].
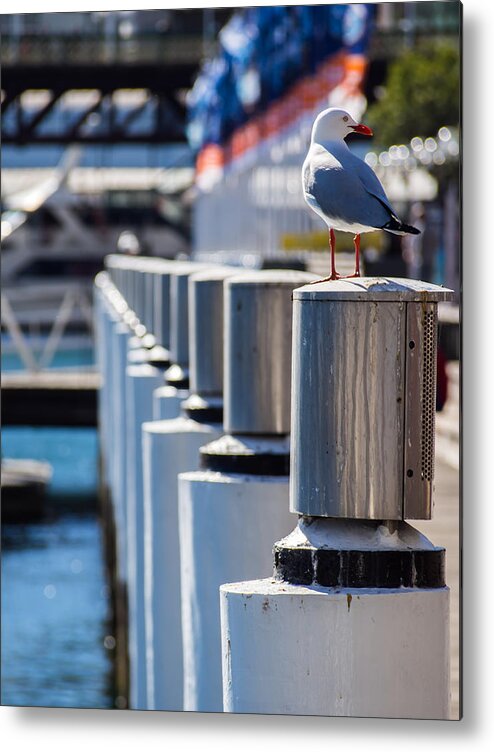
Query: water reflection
[56, 649]
[57, 641]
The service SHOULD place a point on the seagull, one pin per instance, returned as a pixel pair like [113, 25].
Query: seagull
[342, 189]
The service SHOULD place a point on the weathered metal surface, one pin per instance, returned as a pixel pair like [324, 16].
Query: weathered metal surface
[347, 413]
[362, 416]
[161, 306]
[179, 311]
[206, 330]
[258, 325]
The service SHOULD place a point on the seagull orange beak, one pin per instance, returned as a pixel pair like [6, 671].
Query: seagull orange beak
[363, 129]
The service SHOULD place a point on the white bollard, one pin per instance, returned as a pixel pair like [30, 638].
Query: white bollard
[307, 649]
[141, 381]
[113, 337]
[356, 619]
[106, 318]
[120, 339]
[171, 446]
[232, 511]
[178, 373]
[227, 526]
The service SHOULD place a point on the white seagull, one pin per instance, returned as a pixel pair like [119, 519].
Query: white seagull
[342, 189]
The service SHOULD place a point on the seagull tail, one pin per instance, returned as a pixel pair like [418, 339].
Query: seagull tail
[400, 228]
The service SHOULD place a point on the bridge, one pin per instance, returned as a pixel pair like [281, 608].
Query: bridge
[68, 77]
[120, 79]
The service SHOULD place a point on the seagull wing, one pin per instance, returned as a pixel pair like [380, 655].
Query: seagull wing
[374, 187]
[371, 182]
[344, 188]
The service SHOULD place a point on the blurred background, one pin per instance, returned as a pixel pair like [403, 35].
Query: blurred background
[178, 133]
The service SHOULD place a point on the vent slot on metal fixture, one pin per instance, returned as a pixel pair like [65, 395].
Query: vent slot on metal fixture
[428, 394]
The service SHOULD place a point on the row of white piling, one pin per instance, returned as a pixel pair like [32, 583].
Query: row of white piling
[201, 495]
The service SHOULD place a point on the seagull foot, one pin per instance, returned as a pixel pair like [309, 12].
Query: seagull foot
[332, 278]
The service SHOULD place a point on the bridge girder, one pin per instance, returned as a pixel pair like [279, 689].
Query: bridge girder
[163, 82]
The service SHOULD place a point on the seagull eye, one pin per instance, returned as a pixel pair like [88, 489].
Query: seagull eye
[345, 119]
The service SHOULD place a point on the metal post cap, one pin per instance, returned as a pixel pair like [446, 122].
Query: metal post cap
[258, 342]
[386, 289]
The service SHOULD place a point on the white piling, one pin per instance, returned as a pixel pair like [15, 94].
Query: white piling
[120, 337]
[112, 340]
[227, 524]
[232, 511]
[106, 317]
[301, 650]
[355, 620]
[171, 446]
[141, 381]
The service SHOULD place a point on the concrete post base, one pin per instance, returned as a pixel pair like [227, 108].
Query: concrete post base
[228, 523]
[302, 650]
[169, 447]
[141, 381]
[337, 632]
[119, 345]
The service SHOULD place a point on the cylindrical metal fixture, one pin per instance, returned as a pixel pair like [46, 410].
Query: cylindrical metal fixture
[140, 292]
[206, 330]
[179, 312]
[156, 309]
[161, 314]
[258, 324]
[363, 402]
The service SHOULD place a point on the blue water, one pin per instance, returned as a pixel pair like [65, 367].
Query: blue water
[72, 453]
[57, 647]
[11, 361]
[55, 615]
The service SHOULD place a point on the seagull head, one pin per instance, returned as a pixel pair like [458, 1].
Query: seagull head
[334, 124]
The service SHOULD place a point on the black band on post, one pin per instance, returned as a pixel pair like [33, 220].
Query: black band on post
[360, 569]
[204, 414]
[247, 464]
[182, 383]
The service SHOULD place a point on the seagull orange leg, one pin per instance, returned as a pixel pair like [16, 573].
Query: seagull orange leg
[334, 273]
[356, 242]
[332, 245]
